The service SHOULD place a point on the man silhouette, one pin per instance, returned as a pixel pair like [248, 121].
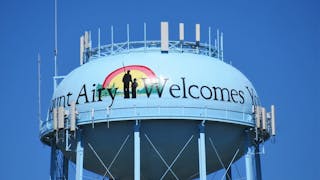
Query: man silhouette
[134, 86]
[126, 82]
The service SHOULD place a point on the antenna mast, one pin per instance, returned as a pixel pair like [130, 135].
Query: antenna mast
[55, 45]
[39, 88]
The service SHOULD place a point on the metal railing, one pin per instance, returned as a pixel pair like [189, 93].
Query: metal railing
[147, 46]
[155, 112]
[87, 52]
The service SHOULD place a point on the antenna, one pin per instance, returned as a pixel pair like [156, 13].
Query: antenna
[111, 39]
[99, 46]
[90, 42]
[264, 118]
[197, 34]
[258, 116]
[145, 35]
[164, 37]
[221, 45]
[209, 40]
[60, 116]
[128, 37]
[181, 32]
[273, 121]
[73, 116]
[82, 42]
[218, 44]
[181, 35]
[55, 118]
[215, 44]
[55, 44]
[39, 88]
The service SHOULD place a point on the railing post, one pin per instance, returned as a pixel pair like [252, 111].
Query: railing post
[202, 153]
[79, 160]
[137, 151]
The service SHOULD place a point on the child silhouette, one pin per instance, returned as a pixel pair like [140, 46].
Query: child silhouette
[134, 86]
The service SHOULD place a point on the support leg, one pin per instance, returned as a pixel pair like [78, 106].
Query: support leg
[202, 153]
[53, 163]
[258, 162]
[137, 151]
[249, 164]
[65, 168]
[79, 161]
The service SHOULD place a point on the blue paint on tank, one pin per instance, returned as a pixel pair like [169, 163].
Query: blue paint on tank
[187, 86]
[170, 94]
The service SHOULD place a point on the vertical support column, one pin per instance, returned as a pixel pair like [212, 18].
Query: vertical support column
[53, 163]
[202, 153]
[257, 161]
[249, 164]
[79, 160]
[137, 151]
[65, 168]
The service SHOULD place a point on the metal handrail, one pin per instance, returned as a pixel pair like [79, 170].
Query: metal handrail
[151, 45]
[44, 124]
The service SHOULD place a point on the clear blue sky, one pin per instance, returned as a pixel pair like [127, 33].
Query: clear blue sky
[276, 44]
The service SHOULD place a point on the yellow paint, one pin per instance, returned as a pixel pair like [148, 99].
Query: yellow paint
[117, 80]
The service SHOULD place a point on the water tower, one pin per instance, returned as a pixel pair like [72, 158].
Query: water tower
[155, 109]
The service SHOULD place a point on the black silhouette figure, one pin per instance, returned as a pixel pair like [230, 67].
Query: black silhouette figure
[126, 82]
[134, 86]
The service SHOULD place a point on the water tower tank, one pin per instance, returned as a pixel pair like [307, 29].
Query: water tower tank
[163, 108]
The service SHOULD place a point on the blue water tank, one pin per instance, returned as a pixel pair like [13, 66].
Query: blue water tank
[169, 94]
